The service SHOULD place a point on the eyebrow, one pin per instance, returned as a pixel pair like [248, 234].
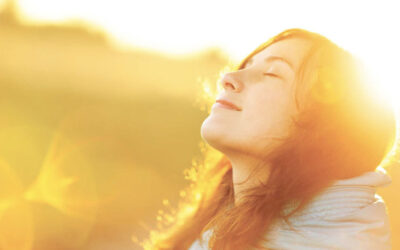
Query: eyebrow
[275, 58]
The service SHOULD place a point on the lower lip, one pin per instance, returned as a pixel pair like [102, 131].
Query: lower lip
[220, 105]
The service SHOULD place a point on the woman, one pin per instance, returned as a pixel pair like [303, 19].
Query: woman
[301, 136]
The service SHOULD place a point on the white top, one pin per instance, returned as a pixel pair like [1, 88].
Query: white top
[346, 215]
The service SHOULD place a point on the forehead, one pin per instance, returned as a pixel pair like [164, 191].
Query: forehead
[292, 50]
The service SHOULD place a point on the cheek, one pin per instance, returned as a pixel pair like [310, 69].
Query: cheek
[268, 110]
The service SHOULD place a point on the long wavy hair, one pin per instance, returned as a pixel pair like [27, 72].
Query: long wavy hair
[343, 130]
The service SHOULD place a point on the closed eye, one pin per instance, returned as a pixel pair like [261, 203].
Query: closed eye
[271, 74]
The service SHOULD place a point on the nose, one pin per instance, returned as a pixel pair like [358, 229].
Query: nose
[230, 82]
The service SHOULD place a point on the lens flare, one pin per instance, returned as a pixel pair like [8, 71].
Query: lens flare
[16, 222]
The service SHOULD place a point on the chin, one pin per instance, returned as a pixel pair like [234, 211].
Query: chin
[208, 131]
[214, 135]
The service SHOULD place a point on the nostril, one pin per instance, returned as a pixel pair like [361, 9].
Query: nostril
[230, 84]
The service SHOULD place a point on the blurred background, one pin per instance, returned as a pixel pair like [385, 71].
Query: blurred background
[101, 104]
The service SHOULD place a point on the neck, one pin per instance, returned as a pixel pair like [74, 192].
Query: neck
[247, 173]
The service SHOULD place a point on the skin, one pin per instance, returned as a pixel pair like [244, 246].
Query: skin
[265, 92]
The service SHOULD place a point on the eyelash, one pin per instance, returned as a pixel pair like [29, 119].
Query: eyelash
[270, 74]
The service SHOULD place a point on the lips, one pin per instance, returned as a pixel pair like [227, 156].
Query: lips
[229, 104]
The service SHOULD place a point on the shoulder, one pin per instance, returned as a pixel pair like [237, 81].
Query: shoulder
[366, 227]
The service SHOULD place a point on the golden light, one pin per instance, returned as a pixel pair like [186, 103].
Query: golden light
[85, 168]
[181, 27]
[16, 222]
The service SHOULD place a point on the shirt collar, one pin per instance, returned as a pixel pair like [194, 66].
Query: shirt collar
[343, 196]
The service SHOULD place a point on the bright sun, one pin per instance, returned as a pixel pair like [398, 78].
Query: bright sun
[366, 28]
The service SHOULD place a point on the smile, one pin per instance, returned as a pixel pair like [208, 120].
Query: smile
[221, 105]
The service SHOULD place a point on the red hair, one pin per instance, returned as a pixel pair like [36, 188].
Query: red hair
[342, 131]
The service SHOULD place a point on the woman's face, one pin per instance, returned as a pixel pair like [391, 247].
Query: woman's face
[264, 92]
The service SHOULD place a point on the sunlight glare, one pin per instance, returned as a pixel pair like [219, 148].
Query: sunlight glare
[181, 27]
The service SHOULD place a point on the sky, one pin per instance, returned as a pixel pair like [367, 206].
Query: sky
[368, 29]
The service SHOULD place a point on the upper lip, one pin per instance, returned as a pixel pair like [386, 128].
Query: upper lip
[225, 102]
